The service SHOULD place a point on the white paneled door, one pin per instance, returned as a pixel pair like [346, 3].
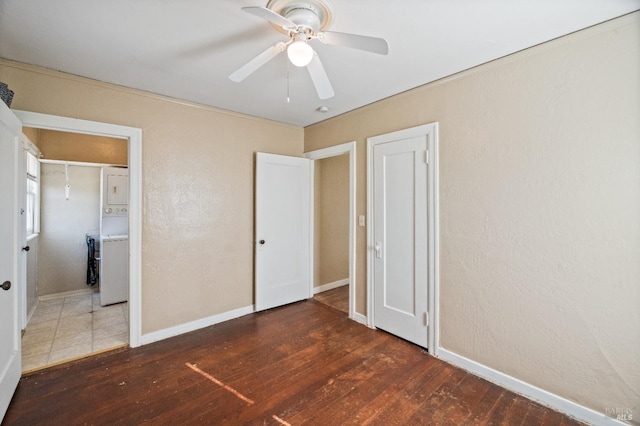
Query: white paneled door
[282, 230]
[10, 130]
[400, 245]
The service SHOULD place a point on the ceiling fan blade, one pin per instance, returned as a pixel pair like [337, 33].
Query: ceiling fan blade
[269, 15]
[247, 69]
[355, 41]
[320, 78]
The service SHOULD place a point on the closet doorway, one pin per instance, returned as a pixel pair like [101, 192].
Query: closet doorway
[333, 233]
[68, 319]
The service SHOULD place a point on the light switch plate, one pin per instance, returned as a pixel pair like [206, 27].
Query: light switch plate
[361, 220]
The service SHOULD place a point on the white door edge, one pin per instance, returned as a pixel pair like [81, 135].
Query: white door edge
[10, 362]
[431, 132]
[282, 276]
[22, 233]
[334, 151]
[134, 137]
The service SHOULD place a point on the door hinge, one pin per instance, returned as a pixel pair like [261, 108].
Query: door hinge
[426, 319]
[426, 157]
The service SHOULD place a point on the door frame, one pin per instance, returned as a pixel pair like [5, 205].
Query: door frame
[26, 146]
[134, 137]
[334, 151]
[433, 240]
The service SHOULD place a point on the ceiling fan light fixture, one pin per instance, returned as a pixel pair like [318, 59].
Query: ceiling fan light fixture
[300, 53]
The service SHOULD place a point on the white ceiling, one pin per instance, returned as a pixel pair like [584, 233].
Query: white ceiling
[187, 48]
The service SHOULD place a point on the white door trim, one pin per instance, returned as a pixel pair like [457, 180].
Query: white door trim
[431, 131]
[134, 136]
[22, 232]
[334, 151]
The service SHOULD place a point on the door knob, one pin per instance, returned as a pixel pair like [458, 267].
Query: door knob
[6, 285]
[261, 242]
[26, 248]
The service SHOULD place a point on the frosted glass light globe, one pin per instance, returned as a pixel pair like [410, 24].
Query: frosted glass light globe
[300, 53]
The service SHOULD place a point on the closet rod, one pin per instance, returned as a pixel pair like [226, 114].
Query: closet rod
[80, 163]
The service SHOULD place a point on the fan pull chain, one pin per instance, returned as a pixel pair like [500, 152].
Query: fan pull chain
[288, 98]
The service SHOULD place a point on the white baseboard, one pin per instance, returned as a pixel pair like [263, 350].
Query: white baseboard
[67, 294]
[527, 390]
[33, 309]
[195, 325]
[359, 318]
[330, 286]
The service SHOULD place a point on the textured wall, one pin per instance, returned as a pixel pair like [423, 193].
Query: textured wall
[332, 219]
[539, 209]
[197, 186]
[56, 145]
[32, 134]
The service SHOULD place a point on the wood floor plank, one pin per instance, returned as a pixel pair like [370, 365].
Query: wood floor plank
[381, 408]
[500, 410]
[348, 391]
[394, 403]
[485, 405]
[304, 363]
[439, 405]
[298, 390]
[464, 399]
[535, 415]
[517, 412]
[337, 298]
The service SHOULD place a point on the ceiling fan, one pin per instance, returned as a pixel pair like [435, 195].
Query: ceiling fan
[304, 21]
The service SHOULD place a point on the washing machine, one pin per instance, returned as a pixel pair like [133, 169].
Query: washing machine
[114, 269]
[114, 241]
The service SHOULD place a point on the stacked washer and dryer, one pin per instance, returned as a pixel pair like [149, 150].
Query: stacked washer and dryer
[114, 235]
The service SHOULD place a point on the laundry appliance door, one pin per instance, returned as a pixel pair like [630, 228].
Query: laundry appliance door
[114, 270]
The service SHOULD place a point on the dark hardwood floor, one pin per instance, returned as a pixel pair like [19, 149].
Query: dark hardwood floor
[303, 363]
[337, 298]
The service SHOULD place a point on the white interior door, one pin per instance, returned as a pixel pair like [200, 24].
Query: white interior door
[10, 129]
[283, 229]
[400, 238]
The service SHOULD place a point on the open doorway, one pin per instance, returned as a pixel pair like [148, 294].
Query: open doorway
[70, 316]
[333, 239]
[331, 232]
[132, 139]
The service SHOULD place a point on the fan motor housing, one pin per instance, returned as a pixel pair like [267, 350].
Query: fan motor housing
[314, 14]
[304, 18]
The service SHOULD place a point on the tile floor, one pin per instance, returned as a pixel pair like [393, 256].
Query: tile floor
[71, 327]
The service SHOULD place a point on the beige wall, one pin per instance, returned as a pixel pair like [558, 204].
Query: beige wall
[539, 210]
[62, 254]
[56, 145]
[32, 134]
[540, 214]
[331, 215]
[197, 173]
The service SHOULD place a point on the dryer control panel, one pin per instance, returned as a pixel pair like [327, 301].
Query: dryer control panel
[115, 191]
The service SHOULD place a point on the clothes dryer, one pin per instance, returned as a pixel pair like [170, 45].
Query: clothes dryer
[114, 269]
